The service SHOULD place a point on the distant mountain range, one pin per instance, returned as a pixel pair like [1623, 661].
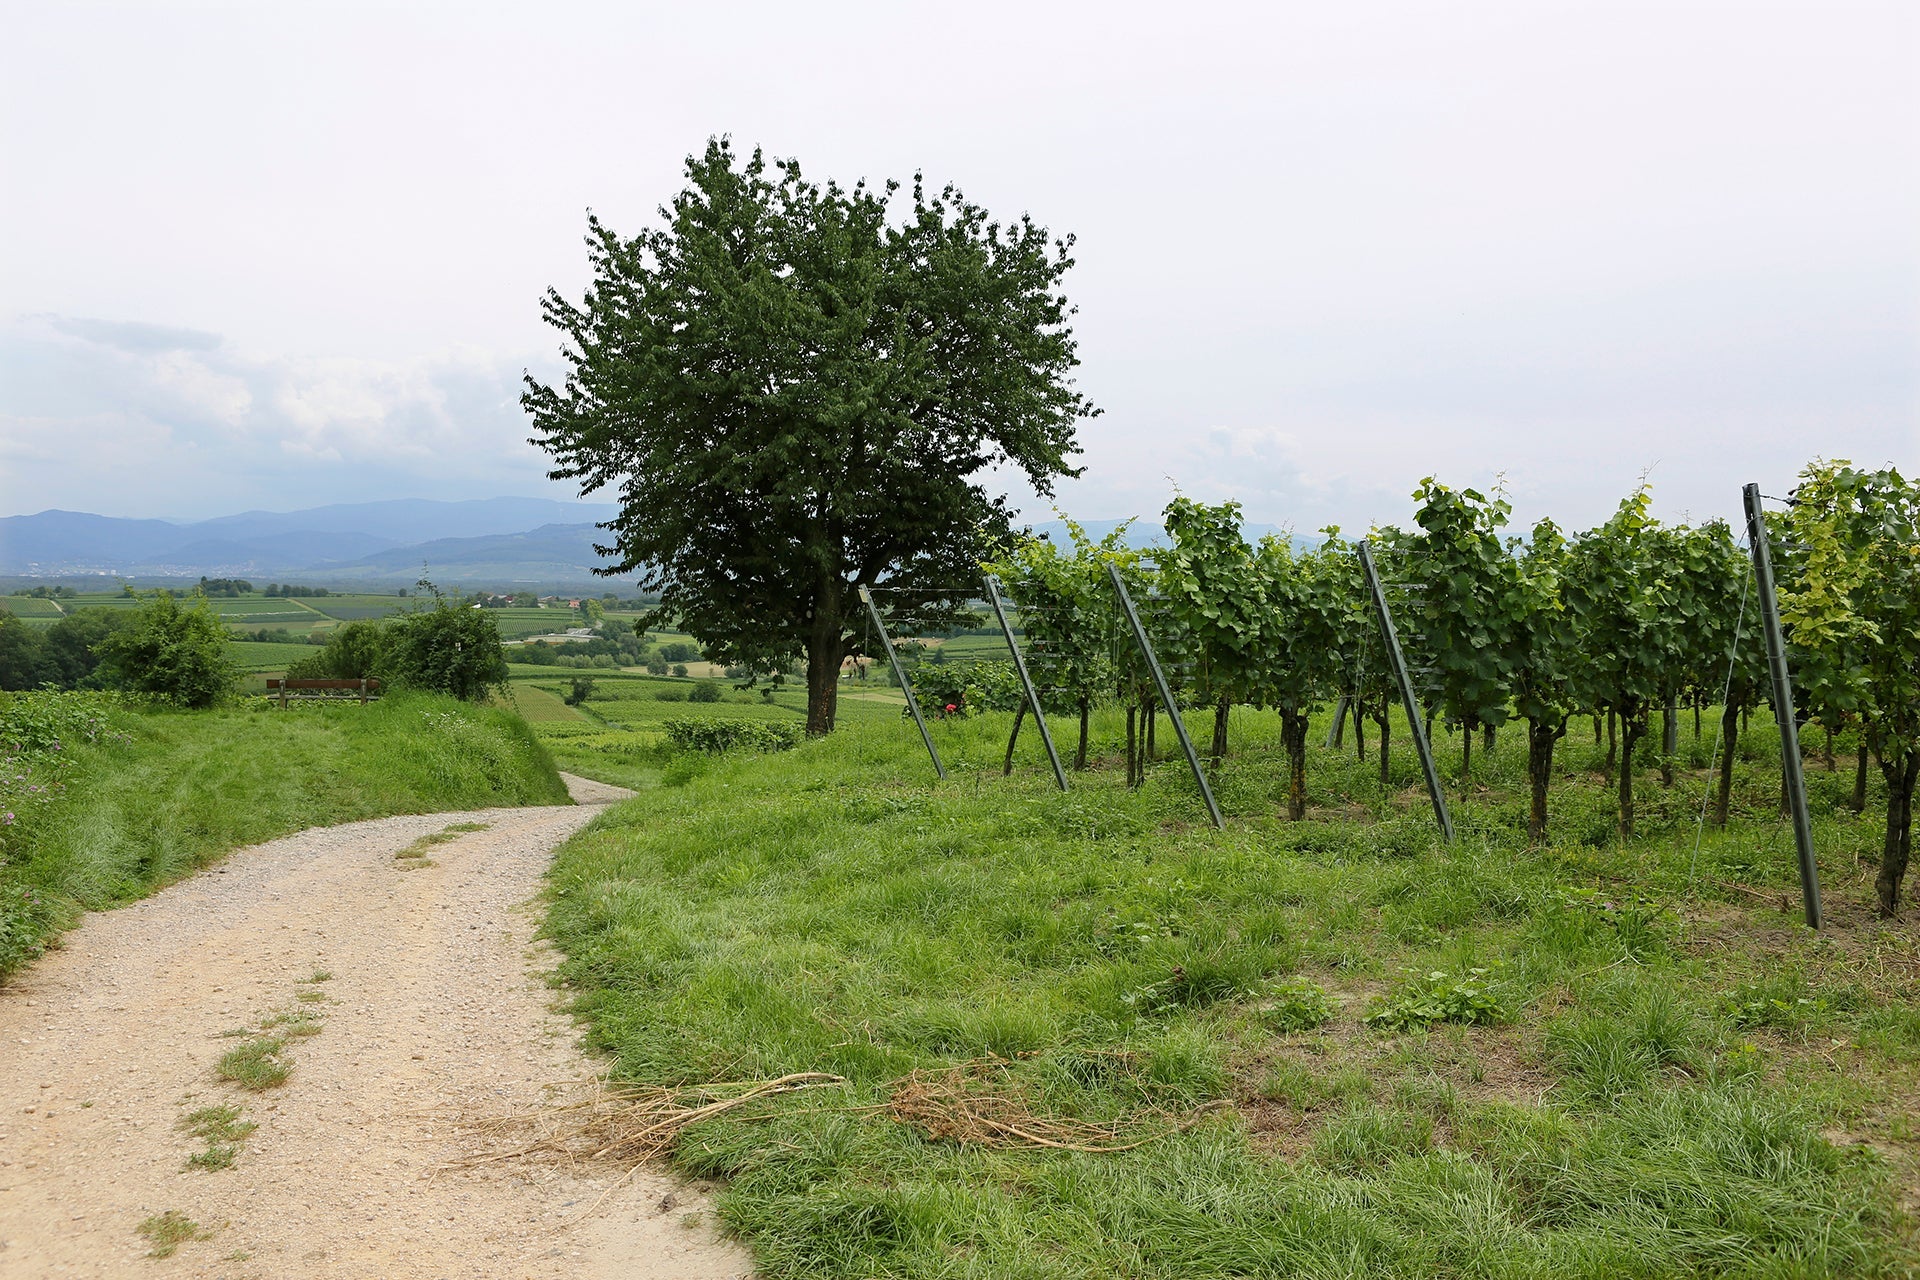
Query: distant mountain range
[499, 542]
[503, 541]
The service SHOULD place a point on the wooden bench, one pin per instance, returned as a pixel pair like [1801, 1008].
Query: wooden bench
[336, 689]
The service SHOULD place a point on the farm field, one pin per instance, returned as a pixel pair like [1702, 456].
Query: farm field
[33, 607]
[1341, 1048]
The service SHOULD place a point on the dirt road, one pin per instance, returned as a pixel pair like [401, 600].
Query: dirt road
[430, 1011]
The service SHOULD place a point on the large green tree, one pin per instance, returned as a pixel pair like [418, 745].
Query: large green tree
[796, 394]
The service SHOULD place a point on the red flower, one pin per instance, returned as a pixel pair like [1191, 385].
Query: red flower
[952, 707]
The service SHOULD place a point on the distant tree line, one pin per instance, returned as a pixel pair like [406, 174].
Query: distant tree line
[290, 590]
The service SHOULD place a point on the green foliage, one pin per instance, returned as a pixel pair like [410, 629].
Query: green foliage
[1438, 996]
[891, 364]
[717, 736]
[354, 651]
[1850, 592]
[173, 654]
[1066, 611]
[704, 691]
[1297, 1004]
[966, 688]
[579, 689]
[446, 649]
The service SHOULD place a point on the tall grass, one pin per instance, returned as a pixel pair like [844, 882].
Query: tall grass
[1621, 1105]
[165, 792]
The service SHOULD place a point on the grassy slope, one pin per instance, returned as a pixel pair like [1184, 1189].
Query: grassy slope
[615, 737]
[188, 786]
[1653, 1103]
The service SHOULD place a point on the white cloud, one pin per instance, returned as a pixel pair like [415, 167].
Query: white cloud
[173, 421]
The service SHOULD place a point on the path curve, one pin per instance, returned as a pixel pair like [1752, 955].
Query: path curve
[434, 1009]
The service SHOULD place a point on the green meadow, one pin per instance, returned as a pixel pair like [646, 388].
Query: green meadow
[1087, 1034]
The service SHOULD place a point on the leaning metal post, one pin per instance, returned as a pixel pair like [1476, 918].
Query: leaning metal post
[1020, 667]
[1166, 694]
[1783, 704]
[900, 674]
[1415, 720]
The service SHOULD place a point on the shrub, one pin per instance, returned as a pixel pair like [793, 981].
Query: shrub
[579, 690]
[670, 693]
[354, 652]
[715, 736]
[446, 649]
[174, 654]
[705, 691]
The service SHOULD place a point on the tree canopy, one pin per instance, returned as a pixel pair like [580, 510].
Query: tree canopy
[795, 395]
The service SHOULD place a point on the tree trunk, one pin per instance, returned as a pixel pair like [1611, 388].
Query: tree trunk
[1293, 732]
[1696, 719]
[1829, 747]
[1631, 732]
[1340, 722]
[1729, 738]
[1080, 753]
[825, 649]
[1466, 754]
[1596, 731]
[1669, 738]
[1859, 801]
[1220, 714]
[1385, 721]
[1133, 759]
[1150, 753]
[1899, 843]
[1541, 735]
[1018, 716]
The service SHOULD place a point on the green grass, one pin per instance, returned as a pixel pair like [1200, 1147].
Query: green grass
[223, 1130]
[256, 657]
[258, 1062]
[179, 789]
[166, 1232]
[1656, 1074]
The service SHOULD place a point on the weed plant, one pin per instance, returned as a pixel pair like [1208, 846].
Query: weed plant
[1613, 1075]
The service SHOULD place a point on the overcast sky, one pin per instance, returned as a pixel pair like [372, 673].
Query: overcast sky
[269, 255]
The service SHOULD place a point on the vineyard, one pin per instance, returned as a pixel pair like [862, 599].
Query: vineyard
[1630, 629]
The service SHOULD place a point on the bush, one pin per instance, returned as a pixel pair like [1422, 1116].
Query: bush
[716, 736]
[170, 653]
[705, 691]
[670, 693]
[446, 649]
[581, 689]
[354, 652]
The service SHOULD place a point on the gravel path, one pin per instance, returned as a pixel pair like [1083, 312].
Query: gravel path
[433, 1011]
